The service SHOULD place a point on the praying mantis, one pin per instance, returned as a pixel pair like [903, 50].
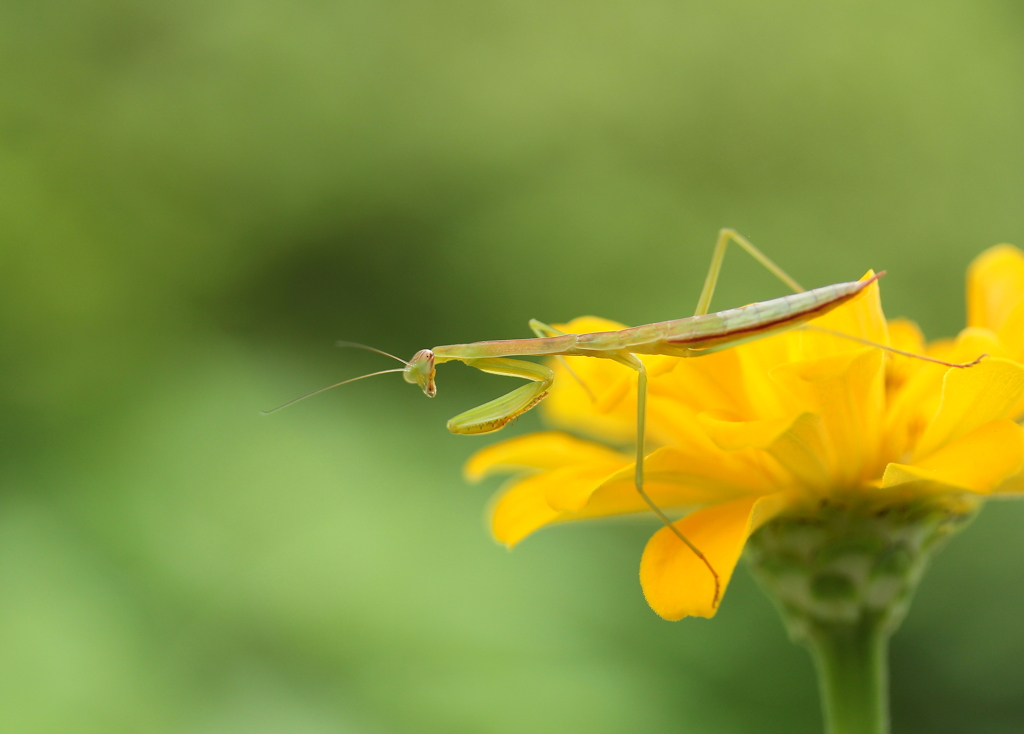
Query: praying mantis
[701, 334]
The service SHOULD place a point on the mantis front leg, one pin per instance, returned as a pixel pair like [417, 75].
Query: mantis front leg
[631, 360]
[498, 413]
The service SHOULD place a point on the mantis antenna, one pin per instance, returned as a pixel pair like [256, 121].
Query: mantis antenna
[337, 384]
[357, 345]
[354, 345]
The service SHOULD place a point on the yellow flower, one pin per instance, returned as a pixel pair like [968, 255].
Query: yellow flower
[779, 426]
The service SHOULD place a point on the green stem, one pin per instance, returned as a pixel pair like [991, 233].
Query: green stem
[852, 674]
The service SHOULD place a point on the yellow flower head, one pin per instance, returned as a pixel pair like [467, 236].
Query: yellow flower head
[782, 425]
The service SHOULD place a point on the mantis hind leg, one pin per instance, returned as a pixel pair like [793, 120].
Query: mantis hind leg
[727, 235]
[641, 419]
[724, 237]
[498, 413]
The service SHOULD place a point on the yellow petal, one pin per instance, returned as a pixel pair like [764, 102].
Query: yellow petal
[995, 286]
[913, 405]
[675, 477]
[905, 336]
[575, 495]
[726, 382]
[975, 341]
[1011, 334]
[672, 421]
[1012, 486]
[804, 449]
[524, 507]
[970, 398]
[862, 317]
[679, 476]
[969, 344]
[537, 451]
[606, 407]
[730, 433]
[762, 395]
[977, 461]
[847, 392]
[675, 581]
[711, 382]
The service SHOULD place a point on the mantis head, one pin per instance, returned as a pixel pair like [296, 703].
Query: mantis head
[420, 371]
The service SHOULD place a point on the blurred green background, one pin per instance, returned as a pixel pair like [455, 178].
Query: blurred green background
[198, 198]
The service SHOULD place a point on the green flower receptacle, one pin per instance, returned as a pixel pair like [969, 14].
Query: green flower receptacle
[842, 574]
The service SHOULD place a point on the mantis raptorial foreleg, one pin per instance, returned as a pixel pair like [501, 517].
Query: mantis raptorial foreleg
[497, 413]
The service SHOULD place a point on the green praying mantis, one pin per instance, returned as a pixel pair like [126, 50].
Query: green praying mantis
[701, 334]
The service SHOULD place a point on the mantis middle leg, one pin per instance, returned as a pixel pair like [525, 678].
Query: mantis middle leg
[632, 361]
